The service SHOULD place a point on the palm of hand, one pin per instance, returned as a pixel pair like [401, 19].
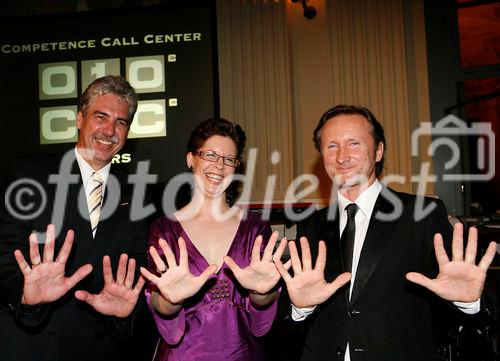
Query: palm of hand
[460, 281]
[45, 283]
[178, 284]
[116, 300]
[259, 276]
[308, 288]
[44, 279]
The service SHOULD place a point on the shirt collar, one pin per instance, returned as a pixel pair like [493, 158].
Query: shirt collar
[365, 201]
[86, 170]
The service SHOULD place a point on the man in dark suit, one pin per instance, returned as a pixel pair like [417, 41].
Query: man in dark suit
[387, 243]
[70, 294]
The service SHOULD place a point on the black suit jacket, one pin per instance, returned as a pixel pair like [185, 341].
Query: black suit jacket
[387, 317]
[66, 329]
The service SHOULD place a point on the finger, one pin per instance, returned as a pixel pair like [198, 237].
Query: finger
[107, 272]
[281, 269]
[321, 259]
[281, 248]
[421, 280]
[21, 261]
[139, 285]
[294, 256]
[167, 251]
[457, 245]
[48, 249]
[232, 265]
[287, 264]
[84, 296]
[122, 269]
[183, 255]
[471, 249]
[441, 256]
[268, 251]
[338, 282]
[34, 250]
[65, 250]
[256, 249]
[486, 260]
[205, 275]
[80, 274]
[129, 280]
[149, 276]
[160, 265]
[306, 254]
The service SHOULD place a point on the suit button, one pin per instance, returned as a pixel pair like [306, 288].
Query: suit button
[353, 312]
[52, 334]
[340, 351]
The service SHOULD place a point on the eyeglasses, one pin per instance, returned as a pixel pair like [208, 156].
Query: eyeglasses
[211, 156]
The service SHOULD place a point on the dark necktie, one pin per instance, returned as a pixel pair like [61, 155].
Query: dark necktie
[347, 239]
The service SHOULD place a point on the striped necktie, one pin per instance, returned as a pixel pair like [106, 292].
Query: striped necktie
[95, 200]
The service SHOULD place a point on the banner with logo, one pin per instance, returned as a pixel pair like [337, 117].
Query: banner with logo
[167, 52]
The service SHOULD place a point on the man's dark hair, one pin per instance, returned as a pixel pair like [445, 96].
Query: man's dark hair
[377, 129]
[110, 84]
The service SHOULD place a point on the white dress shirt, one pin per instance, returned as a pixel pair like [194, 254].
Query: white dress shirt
[86, 171]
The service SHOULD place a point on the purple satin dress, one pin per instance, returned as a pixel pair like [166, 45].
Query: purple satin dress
[218, 323]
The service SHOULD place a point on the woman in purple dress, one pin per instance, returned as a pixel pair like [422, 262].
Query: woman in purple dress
[212, 278]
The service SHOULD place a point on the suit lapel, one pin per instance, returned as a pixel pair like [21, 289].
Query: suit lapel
[376, 242]
[328, 226]
[76, 218]
[74, 211]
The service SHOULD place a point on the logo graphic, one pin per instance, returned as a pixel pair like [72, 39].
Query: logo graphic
[59, 82]
[446, 132]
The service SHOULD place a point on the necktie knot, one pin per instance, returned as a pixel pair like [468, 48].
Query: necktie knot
[96, 179]
[351, 210]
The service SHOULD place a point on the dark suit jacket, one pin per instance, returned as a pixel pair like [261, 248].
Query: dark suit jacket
[387, 318]
[66, 329]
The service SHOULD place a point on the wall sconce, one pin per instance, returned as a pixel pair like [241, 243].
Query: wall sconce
[309, 11]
